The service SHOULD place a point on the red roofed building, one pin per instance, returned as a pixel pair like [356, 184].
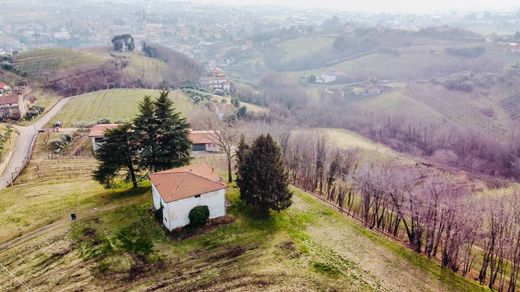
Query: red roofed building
[204, 141]
[179, 190]
[12, 107]
[97, 134]
[4, 89]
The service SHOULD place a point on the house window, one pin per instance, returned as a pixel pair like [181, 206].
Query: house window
[197, 196]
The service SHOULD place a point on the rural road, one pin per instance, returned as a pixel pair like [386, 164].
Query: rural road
[24, 141]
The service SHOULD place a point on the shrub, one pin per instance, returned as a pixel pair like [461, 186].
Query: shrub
[103, 121]
[199, 216]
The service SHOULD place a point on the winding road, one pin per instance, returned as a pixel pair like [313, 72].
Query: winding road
[23, 146]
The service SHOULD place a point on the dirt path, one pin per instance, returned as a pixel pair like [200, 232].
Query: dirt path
[24, 143]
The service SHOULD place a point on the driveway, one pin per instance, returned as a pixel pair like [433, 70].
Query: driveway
[23, 147]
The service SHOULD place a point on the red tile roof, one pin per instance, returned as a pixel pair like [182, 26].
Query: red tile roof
[99, 130]
[185, 182]
[203, 137]
[9, 99]
[2, 85]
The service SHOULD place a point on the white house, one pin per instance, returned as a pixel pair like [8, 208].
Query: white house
[179, 190]
[97, 134]
[204, 141]
[327, 77]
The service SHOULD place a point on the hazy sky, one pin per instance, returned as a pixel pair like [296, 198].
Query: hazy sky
[385, 5]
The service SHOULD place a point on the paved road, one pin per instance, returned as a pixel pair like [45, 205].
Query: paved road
[23, 144]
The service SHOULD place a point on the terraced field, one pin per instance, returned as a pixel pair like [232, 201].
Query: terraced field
[112, 104]
[512, 106]
[40, 63]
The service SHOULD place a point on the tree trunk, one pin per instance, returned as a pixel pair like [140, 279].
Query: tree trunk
[230, 175]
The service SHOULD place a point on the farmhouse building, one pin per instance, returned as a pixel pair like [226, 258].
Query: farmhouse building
[204, 141]
[327, 77]
[216, 80]
[179, 190]
[97, 134]
[12, 107]
[4, 89]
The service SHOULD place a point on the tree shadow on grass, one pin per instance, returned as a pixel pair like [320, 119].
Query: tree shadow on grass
[120, 194]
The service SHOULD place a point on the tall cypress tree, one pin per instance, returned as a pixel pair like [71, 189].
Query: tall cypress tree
[118, 153]
[173, 145]
[262, 178]
[242, 150]
[145, 127]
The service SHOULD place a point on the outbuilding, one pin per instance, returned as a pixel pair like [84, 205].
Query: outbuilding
[177, 191]
[97, 134]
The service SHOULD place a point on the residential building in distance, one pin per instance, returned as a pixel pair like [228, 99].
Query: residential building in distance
[215, 80]
[97, 134]
[204, 141]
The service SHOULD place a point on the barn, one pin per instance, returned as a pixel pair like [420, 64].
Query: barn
[179, 190]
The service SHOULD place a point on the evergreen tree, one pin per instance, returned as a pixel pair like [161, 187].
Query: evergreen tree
[145, 127]
[241, 152]
[118, 153]
[262, 178]
[173, 145]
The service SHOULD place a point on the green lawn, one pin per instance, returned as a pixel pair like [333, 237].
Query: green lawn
[307, 247]
[113, 104]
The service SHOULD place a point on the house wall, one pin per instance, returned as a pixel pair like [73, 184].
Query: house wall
[212, 147]
[176, 214]
[96, 145]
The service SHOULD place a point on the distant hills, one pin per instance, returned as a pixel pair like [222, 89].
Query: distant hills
[76, 71]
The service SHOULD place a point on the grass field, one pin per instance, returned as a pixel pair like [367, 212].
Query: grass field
[303, 46]
[40, 62]
[112, 104]
[417, 62]
[140, 67]
[250, 107]
[308, 247]
[344, 139]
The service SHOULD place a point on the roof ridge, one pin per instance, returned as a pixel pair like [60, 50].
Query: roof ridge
[180, 182]
[207, 178]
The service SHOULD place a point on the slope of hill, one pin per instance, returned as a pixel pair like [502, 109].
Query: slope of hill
[43, 64]
[113, 104]
[76, 71]
[308, 247]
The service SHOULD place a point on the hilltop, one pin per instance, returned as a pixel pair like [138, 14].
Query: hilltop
[76, 71]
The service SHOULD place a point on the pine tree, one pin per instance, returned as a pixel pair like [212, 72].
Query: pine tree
[241, 152]
[262, 179]
[173, 145]
[145, 127]
[118, 153]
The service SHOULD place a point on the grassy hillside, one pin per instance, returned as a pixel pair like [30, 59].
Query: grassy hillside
[421, 62]
[112, 104]
[82, 70]
[308, 247]
[40, 63]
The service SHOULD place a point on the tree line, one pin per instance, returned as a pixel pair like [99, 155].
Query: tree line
[438, 214]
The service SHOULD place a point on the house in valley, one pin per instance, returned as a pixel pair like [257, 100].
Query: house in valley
[177, 191]
[327, 77]
[97, 134]
[215, 80]
[204, 141]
